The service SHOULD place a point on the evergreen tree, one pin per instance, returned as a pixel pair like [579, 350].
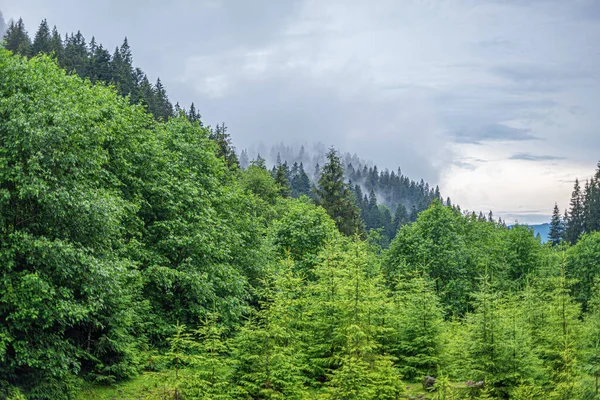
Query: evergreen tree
[244, 160]
[556, 227]
[282, 182]
[100, 68]
[225, 148]
[161, 107]
[56, 46]
[300, 183]
[16, 38]
[194, 116]
[267, 349]
[76, 55]
[418, 327]
[42, 40]
[212, 367]
[592, 340]
[333, 195]
[575, 223]
[592, 203]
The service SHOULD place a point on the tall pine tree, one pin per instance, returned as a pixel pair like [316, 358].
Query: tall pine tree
[334, 195]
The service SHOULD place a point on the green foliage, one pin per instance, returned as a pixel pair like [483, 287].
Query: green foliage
[302, 232]
[418, 325]
[266, 352]
[118, 230]
[68, 293]
[335, 197]
[583, 266]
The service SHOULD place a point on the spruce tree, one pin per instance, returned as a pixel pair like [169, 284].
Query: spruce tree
[76, 55]
[56, 46]
[211, 374]
[282, 182]
[400, 217]
[592, 203]
[42, 40]
[244, 160]
[161, 107]
[575, 223]
[556, 227]
[418, 327]
[267, 350]
[225, 148]
[300, 183]
[334, 195]
[16, 38]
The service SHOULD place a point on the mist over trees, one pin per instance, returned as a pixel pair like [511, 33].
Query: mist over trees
[2, 24]
[141, 256]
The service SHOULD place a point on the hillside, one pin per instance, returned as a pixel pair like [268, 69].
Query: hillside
[139, 258]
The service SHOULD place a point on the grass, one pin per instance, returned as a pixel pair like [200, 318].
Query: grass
[147, 386]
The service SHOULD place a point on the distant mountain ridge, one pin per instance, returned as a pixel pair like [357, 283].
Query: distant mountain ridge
[539, 229]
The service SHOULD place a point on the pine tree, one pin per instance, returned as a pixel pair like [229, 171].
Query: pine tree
[267, 349]
[575, 223]
[42, 40]
[592, 203]
[194, 116]
[592, 340]
[161, 107]
[559, 335]
[334, 195]
[556, 227]
[76, 55]
[400, 217]
[56, 46]
[418, 327]
[16, 38]
[300, 183]
[282, 182]
[244, 160]
[181, 353]
[100, 68]
[212, 366]
[225, 148]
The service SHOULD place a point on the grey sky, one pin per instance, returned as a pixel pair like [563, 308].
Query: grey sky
[494, 100]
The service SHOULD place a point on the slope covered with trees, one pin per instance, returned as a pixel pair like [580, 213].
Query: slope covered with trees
[132, 246]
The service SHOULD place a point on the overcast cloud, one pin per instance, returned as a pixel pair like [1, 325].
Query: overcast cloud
[494, 100]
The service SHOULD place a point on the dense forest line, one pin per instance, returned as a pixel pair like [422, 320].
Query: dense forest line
[131, 246]
[386, 200]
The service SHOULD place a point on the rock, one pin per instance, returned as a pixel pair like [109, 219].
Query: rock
[428, 382]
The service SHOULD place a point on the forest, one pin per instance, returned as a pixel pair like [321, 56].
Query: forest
[140, 260]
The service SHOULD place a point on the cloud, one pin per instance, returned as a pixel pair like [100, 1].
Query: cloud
[423, 85]
[533, 157]
[495, 132]
[464, 165]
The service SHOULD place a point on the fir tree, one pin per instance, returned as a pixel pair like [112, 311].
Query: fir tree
[592, 203]
[300, 183]
[42, 40]
[76, 55]
[244, 160]
[575, 223]
[161, 107]
[333, 195]
[225, 148]
[56, 46]
[16, 38]
[556, 227]
[282, 182]
[418, 326]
